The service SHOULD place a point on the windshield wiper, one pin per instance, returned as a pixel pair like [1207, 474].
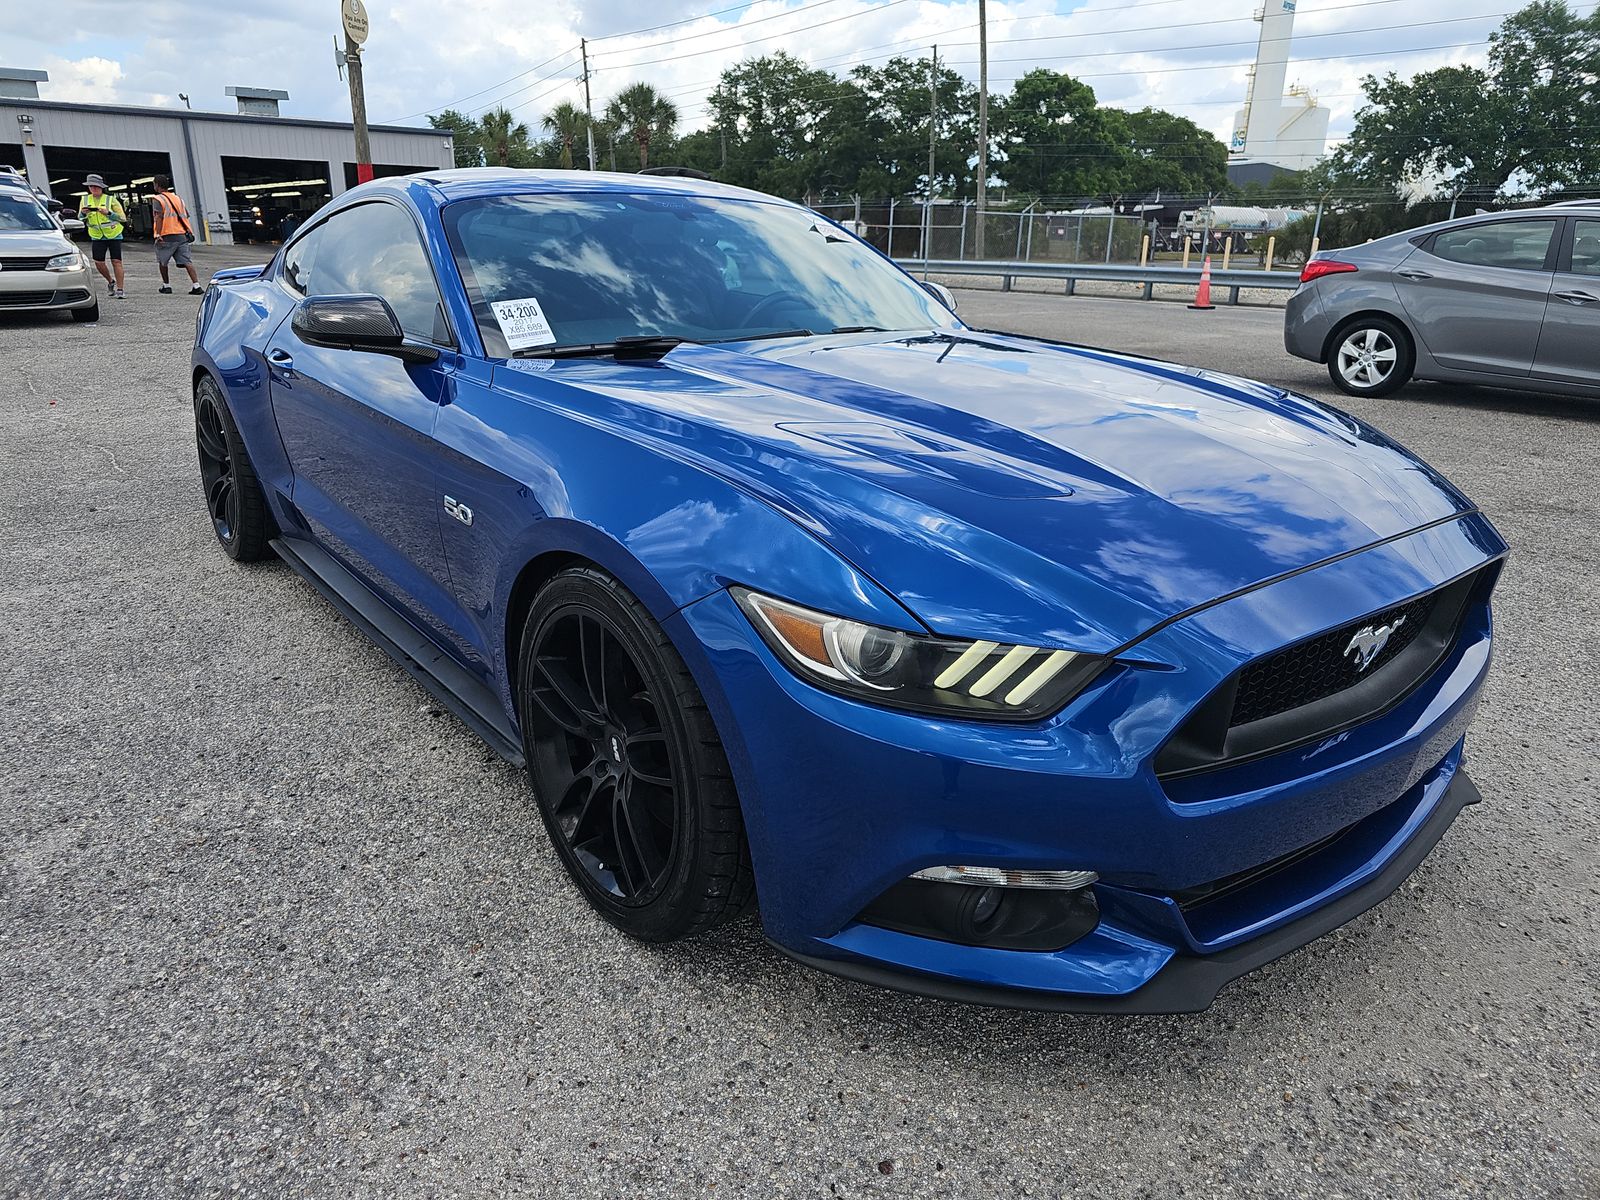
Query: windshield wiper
[858, 329]
[758, 337]
[643, 346]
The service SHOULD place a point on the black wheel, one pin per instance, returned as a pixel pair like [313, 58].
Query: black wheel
[92, 313]
[233, 494]
[1370, 357]
[626, 765]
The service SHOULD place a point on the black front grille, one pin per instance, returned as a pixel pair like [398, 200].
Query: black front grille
[1316, 688]
[1317, 669]
[13, 263]
[20, 299]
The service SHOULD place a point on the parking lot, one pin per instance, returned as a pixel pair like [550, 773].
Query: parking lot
[271, 924]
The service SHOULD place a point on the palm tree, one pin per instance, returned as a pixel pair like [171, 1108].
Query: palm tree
[645, 114]
[567, 122]
[505, 139]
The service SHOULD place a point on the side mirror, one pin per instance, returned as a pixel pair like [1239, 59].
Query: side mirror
[54, 206]
[356, 323]
[941, 293]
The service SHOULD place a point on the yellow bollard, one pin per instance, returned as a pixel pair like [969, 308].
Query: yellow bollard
[1312, 253]
[1272, 247]
[1187, 244]
[1227, 253]
[1144, 251]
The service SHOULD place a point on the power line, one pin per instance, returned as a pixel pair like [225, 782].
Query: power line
[490, 88]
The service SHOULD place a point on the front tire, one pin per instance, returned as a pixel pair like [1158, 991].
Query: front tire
[1371, 357]
[626, 765]
[234, 501]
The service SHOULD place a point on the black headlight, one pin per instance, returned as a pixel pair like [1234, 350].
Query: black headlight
[917, 671]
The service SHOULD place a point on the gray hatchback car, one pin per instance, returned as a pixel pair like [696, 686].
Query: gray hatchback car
[1506, 299]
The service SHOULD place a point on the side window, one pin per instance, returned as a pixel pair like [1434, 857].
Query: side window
[298, 260]
[1518, 245]
[374, 248]
[1586, 249]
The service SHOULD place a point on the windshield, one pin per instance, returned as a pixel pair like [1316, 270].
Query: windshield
[573, 270]
[18, 210]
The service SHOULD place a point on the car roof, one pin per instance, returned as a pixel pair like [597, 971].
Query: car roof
[465, 182]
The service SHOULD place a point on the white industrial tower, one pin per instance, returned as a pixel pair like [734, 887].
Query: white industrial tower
[1287, 130]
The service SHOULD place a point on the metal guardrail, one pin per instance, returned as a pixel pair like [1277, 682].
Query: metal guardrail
[1071, 273]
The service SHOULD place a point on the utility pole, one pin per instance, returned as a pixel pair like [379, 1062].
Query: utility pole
[588, 107]
[983, 123]
[354, 16]
[933, 133]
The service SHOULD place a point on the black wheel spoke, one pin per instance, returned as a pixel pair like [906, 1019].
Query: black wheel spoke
[219, 500]
[209, 433]
[601, 758]
[647, 757]
[635, 835]
[564, 699]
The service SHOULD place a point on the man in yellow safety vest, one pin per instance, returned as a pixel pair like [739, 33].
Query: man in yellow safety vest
[104, 219]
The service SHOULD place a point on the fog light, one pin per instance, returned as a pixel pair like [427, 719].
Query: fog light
[996, 877]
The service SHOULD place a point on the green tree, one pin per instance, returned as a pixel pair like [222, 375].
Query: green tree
[640, 112]
[895, 110]
[505, 139]
[1161, 151]
[1526, 120]
[777, 126]
[1058, 142]
[567, 123]
[467, 138]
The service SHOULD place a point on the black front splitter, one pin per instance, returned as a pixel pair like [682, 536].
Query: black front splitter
[1189, 983]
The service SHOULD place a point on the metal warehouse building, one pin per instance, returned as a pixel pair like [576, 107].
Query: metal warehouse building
[248, 172]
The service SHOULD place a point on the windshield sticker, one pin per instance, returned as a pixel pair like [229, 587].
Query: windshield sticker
[535, 366]
[522, 322]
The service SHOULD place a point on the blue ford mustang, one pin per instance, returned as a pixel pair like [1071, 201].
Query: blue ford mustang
[997, 669]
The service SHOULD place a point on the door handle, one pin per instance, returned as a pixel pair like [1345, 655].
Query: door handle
[1414, 274]
[1577, 297]
[281, 359]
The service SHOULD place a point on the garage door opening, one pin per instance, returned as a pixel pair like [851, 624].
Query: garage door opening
[129, 175]
[265, 194]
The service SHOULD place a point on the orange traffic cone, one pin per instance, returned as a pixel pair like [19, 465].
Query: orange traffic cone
[1202, 294]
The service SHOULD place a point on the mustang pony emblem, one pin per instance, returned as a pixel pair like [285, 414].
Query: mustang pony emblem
[1370, 641]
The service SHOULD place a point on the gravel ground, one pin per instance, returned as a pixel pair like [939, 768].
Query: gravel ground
[271, 925]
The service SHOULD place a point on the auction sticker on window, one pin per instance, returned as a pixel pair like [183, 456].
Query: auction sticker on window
[523, 323]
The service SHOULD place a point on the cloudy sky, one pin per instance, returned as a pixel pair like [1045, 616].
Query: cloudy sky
[424, 55]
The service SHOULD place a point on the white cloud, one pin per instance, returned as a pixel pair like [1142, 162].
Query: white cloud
[423, 55]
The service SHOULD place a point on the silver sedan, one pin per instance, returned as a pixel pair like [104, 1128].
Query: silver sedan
[1505, 299]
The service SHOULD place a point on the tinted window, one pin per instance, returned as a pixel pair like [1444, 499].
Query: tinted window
[596, 267]
[298, 260]
[374, 248]
[1586, 249]
[1516, 244]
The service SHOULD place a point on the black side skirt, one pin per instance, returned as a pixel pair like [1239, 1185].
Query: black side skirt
[1189, 982]
[476, 705]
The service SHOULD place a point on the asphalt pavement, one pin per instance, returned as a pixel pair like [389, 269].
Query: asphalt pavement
[272, 925]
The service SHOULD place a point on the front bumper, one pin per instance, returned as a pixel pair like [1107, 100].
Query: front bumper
[1186, 982]
[40, 291]
[843, 800]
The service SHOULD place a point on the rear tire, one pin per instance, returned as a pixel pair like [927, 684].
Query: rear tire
[92, 313]
[626, 765]
[1371, 356]
[238, 510]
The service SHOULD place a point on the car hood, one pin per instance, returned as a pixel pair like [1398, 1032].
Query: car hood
[31, 243]
[1007, 488]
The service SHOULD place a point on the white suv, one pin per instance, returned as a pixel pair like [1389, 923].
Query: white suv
[39, 268]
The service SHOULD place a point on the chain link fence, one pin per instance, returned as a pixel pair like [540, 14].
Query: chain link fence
[912, 229]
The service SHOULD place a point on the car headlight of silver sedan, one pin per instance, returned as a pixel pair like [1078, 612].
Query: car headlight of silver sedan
[65, 262]
[955, 677]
